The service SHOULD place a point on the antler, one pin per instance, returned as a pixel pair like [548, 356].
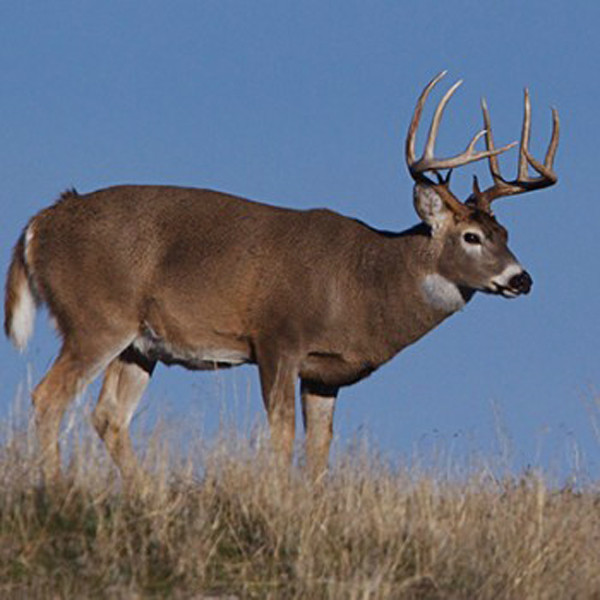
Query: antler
[524, 182]
[428, 162]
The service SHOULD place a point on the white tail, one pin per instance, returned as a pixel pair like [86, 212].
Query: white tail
[134, 275]
[20, 300]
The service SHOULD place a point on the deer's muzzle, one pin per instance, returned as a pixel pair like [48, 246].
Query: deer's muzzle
[521, 283]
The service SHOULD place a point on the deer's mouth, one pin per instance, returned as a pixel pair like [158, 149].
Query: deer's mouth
[502, 290]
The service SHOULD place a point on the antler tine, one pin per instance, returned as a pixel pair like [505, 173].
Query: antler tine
[414, 124]
[553, 145]
[435, 122]
[546, 170]
[483, 199]
[428, 162]
[489, 143]
[524, 182]
[525, 134]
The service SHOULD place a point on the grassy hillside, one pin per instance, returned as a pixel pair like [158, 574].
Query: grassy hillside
[222, 523]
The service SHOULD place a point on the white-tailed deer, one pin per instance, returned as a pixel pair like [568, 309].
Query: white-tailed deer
[133, 275]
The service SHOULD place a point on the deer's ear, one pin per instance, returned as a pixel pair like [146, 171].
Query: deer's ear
[431, 207]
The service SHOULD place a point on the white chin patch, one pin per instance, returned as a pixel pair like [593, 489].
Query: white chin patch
[441, 294]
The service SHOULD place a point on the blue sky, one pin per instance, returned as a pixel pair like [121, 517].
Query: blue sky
[306, 104]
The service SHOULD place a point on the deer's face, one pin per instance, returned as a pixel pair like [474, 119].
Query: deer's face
[472, 247]
[475, 256]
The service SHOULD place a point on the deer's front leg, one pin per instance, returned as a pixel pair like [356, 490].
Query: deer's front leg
[278, 376]
[318, 404]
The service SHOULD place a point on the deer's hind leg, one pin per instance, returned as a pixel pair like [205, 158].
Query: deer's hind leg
[126, 378]
[74, 368]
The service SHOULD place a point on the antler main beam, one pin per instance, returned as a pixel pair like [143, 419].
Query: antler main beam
[428, 162]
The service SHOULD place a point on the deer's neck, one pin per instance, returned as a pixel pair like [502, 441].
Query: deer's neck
[417, 297]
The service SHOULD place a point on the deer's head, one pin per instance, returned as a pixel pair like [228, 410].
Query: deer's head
[472, 247]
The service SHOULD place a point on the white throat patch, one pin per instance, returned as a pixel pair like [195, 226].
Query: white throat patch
[441, 294]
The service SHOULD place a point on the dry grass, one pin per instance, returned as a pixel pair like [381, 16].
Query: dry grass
[224, 524]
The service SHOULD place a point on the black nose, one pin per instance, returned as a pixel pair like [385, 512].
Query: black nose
[521, 282]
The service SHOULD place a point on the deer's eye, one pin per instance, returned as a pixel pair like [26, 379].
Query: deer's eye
[471, 238]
